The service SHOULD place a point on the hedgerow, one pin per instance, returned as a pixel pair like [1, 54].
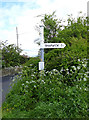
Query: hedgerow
[61, 89]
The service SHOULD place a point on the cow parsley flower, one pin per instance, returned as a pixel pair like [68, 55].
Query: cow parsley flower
[27, 82]
[78, 67]
[84, 79]
[34, 86]
[26, 86]
[74, 67]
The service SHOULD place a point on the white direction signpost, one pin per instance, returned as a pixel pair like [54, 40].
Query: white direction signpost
[41, 65]
[53, 45]
[46, 45]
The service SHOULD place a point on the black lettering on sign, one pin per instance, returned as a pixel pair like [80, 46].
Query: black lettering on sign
[61, 45]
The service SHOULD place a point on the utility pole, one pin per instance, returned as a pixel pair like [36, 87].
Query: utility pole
[17, 37]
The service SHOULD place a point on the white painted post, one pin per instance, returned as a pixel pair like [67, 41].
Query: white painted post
[46, 45]
[41, 64]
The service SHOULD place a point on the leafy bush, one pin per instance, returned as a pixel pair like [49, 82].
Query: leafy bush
[67, 56]
[60, 91]
[11, 55]
[49, 96]
[33, 62]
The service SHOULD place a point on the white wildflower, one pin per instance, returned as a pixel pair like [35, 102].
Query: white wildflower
[78, 67]
[78, 59]
[30, 64]
[27, 82]
[13, 80]
[43, 81]
[71, 70]
[85, 74]
[26, 86]
[80, 88]
[68, 72]
[61, 69]
[86, 89]
[84, 65]
[22, 84]
[32, 75]
[32, 81]
[50, 82]
[84, 79]
[47, 72]
[67, 69]
[34, 86]
[74, 67]
[55, 70]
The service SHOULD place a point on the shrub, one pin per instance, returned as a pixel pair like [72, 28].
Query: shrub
[11, 56]
[48, 96]
[60, 91]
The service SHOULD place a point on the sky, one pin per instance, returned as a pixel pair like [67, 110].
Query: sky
[22, 14]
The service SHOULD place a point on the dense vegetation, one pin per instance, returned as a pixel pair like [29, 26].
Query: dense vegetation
[61, 90]
[11, 55]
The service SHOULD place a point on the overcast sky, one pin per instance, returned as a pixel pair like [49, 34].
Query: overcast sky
[21, 13]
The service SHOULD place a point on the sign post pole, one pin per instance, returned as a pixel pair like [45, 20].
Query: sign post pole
[41, 63]
[46, 45]
[42, 42]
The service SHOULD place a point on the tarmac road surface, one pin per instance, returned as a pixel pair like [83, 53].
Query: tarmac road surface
[5, 81]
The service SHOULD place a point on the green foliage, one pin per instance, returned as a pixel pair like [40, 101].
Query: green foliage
[23, 59]
[77, 27]
[11, 55]
[61, 90]
[49, 97]
[67, 56]
[55, 32]
[51, 27]
[33, 62]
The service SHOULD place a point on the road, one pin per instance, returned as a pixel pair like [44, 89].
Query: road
[6, 80]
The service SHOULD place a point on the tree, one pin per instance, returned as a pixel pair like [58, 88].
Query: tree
[74, 28]
[10, 55]
[55, 32]
[51, 27]
[73, 35]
